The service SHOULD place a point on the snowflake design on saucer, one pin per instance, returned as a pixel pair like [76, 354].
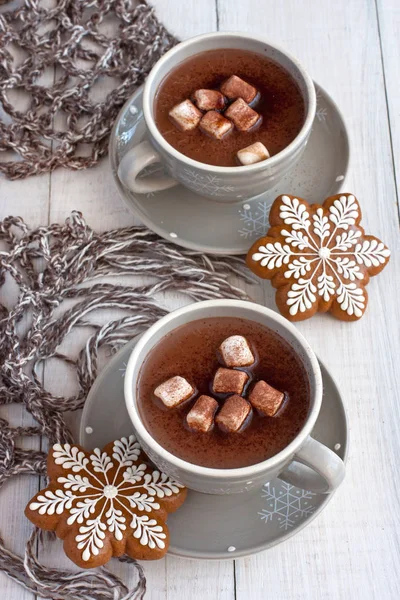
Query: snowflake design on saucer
[124, 138]
[321, 114]
[105, 495]
[204, 184]
[318, 257]
[122, 369]
[255, 219]
[287, 504]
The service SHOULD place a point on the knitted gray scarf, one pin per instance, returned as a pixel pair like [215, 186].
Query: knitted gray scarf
[49, 266]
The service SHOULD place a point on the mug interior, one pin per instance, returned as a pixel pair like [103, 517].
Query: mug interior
[215, 41]
[223, 308]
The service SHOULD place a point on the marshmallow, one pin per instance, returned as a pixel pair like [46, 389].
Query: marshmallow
[242, 115]
[209, 100]
[215, 125]
[228, 381]
[234, 88]
[174, 391]
[201, 415]
[185, 116]
[236, 352]
[266, 399]
[233, 414]
[253, 154]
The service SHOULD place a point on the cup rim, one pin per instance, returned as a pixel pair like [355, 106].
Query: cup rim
[168, 148]
[239, 472]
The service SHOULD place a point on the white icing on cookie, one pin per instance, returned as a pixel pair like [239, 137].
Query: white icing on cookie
[132, 487]
[323, 243]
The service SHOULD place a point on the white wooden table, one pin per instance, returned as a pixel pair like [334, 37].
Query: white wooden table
[352, 48]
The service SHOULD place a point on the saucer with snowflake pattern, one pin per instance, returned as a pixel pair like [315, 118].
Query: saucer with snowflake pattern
[228, 526]
[198, 223]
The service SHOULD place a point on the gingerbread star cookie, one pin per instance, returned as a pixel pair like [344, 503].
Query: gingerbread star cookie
[106, 503]
[318, 257]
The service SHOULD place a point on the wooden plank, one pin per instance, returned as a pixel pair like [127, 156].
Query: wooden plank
[30, 200]
[15, 529]
[189, 18]
[199, 579]
[352, 548]
[93, 192]
[388, 15]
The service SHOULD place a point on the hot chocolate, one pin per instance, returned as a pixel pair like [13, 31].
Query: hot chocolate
[263, 407]
[220, 102]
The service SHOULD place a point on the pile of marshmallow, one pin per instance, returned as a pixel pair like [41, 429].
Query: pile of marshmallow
[210, 113]
[236, 411]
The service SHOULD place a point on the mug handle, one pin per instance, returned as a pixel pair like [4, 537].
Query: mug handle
[315, 468]
[141, 156]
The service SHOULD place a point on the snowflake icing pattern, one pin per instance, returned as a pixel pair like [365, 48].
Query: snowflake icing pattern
[255, 221]
[287, 504]
[318, 257]
[109, 494]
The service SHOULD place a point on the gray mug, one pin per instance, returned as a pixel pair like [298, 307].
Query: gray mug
[224, 184]
[305, 462]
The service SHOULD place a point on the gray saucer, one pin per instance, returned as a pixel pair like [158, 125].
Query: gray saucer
[202, 224]
[219, 527]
